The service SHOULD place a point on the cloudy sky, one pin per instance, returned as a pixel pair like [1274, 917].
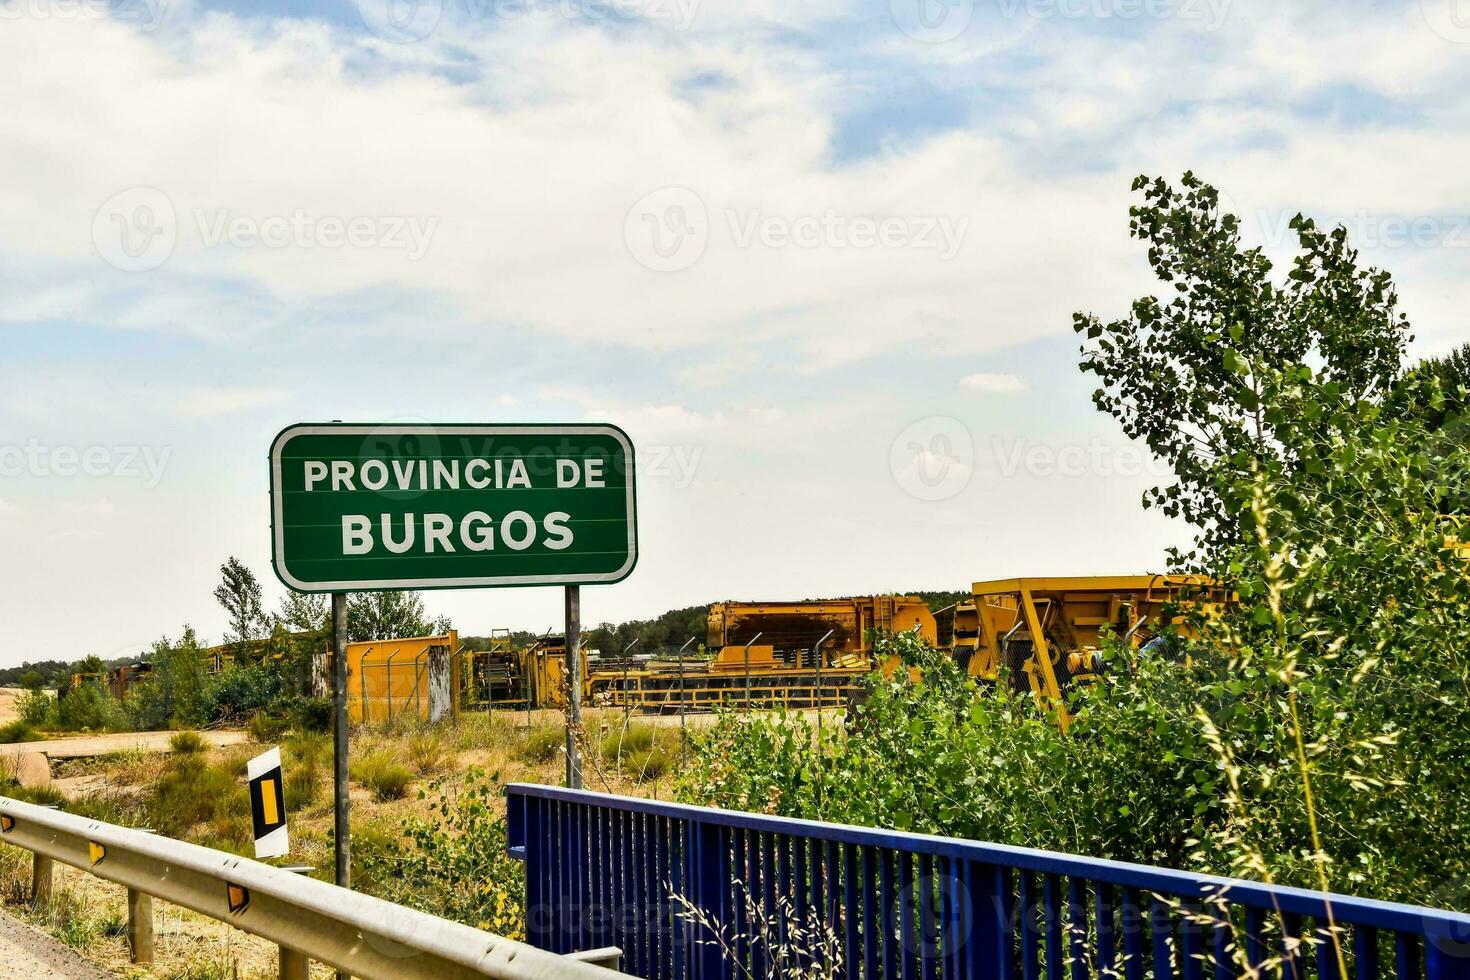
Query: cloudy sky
[819, 259]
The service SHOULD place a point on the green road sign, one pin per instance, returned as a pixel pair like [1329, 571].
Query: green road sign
[364, 507]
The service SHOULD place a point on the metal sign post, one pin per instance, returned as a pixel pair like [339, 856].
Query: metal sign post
[339, 738]
[574, 687]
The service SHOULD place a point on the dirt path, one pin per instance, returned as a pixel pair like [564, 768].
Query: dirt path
[89, 745]
[27, 953]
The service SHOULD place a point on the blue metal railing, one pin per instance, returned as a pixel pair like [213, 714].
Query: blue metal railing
[780, 897]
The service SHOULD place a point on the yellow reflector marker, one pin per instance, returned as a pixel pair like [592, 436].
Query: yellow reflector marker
[268, 805]
[7, 824]
[239, 898]
[96, 850]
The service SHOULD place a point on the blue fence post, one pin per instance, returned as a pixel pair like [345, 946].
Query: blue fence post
[988, 921]
[707, 872]
[1447, 954]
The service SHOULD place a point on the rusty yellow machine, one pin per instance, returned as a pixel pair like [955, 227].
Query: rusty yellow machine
[1044, 634]
[800, 654]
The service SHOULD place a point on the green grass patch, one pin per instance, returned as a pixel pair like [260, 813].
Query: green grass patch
[186, 743]
[382, 774]
[542, 743]
[18, 731]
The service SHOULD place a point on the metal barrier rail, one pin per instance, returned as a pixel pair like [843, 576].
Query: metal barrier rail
[309, 919]
[605, 869]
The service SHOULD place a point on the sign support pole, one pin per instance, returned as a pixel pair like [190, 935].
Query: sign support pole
[339, 736]
[573, 648]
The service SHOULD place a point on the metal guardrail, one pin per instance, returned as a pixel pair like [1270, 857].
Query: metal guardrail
[358, 935]
[620, 871]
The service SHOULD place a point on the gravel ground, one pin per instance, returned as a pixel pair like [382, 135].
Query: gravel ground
[27, 953]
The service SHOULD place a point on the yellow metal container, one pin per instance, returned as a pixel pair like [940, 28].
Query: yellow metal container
[387, 679]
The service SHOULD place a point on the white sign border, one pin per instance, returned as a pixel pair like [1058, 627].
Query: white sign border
[278, 532]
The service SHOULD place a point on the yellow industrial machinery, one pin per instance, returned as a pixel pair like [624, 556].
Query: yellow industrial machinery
[122, 679]
[796, 654]
[1044, 632]
[1041, 634]
[496, 677]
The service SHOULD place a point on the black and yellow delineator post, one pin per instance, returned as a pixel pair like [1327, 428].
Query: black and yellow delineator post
[268, 805]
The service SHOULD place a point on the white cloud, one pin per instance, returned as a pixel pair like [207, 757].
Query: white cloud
[521, 177]
[200, 403]
[995, 383]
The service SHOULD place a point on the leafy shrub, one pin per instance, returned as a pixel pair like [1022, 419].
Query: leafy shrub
[90, 708]
[382, 774]
[456, 865]
[244, 691]
[313, 714]
[186, 742]
[37, 708]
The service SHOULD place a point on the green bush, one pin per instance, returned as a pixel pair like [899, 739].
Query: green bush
[313, 714]
[382, 774]
[245, 691]
[90, 708]
[37, 709]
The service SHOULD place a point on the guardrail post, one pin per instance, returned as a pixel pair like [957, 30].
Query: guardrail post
[140, 927]
[42, 873]
[294, 965]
